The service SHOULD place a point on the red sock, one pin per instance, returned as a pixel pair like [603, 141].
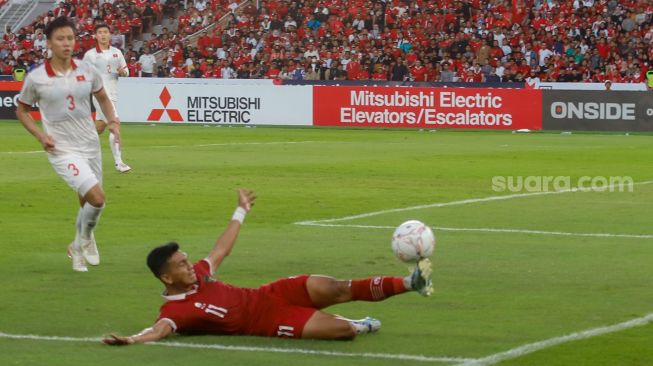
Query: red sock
[376, 288]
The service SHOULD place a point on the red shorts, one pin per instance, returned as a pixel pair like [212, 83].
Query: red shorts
[284, 308]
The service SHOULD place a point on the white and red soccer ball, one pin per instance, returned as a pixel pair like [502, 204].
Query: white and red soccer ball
[412, 241]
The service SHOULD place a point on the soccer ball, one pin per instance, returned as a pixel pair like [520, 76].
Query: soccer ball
[412, 241]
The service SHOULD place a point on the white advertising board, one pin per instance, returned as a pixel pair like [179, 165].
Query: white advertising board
[216, 104]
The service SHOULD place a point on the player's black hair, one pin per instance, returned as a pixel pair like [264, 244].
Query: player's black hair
[60, 22]
[158, 257]
[101, 25]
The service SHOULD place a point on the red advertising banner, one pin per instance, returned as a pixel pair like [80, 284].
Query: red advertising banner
[387, 107]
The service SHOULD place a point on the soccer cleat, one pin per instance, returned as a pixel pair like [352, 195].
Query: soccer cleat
[123, 168]
[366, 325]
[420, 279]
[79, 263]
[90, 252]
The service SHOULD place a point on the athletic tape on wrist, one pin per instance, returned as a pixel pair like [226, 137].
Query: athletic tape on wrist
[239, 215]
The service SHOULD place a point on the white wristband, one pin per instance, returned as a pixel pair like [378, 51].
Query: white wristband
[239, 215]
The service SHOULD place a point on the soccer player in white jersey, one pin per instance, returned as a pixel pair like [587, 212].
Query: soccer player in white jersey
[61, 87]
[110, 63]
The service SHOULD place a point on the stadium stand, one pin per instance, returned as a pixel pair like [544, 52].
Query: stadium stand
[417, 40]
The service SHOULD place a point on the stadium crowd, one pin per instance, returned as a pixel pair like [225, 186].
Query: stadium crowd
[399, 40]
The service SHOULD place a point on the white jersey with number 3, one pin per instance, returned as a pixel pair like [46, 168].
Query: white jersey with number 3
[108, 63]
[65, 106]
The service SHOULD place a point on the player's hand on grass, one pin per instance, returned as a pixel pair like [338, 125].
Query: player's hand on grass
[246, 199]
[116, 340]
[47, 142]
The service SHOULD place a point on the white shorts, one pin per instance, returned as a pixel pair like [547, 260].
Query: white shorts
[99, 116]
[81, 174]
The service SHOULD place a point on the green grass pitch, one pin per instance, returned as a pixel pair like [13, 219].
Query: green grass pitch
[495, 291]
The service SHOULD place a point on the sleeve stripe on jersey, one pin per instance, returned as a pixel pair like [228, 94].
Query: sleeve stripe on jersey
[171, 323]
[210, 265]
[97, 91]
[27, 104]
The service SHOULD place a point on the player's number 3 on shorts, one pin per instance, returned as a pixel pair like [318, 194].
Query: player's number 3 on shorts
[71, 106]
[73, 168]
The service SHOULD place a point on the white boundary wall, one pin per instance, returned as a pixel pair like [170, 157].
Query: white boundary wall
[590, 86]
[136, 82]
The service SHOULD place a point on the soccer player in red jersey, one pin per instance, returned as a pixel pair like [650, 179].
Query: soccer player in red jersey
[289, 308]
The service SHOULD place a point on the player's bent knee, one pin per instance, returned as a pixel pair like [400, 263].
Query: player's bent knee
[326, 291]
[339, 291]
[95, 196]
[343, 291]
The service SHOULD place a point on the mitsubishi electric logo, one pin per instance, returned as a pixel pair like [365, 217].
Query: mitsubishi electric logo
[156, 114]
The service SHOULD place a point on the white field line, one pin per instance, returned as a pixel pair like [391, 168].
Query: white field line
[221, 347]
[237, 144]
[491, 230]
[21, 152]
[463, 202]
[200, 145]
[537, 346]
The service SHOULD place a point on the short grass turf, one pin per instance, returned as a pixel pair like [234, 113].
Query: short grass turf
[494, 291]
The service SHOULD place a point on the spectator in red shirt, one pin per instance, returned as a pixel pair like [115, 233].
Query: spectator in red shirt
[418, 71]
[432, 73]
[364, 73]
[603, 48]
[134, 67]
[204, 41]
[179, 71]
[273, 71]
[353, 68]
[380, 72]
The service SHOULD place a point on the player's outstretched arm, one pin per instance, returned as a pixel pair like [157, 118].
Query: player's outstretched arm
[159, 331]
[228, 238]
[109, 111]
[22, 113]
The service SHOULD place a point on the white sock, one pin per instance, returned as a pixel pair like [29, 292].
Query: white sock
[115, 149]
[90, 215]
[78, 223]
[408, 282]
[78, 229]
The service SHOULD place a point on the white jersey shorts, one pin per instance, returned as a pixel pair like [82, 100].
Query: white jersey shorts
[80, 173]
[99, 116]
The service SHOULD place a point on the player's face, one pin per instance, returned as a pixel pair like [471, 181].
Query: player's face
[180, 271]
[62, 42]
[103, 36]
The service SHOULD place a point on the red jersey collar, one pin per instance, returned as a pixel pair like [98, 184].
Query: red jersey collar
[50, 71]
[179, 296]
[98, 49]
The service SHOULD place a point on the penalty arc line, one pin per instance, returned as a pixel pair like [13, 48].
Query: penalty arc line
[402, 357]
[464, 202]
[493, 230]
[537, 346]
